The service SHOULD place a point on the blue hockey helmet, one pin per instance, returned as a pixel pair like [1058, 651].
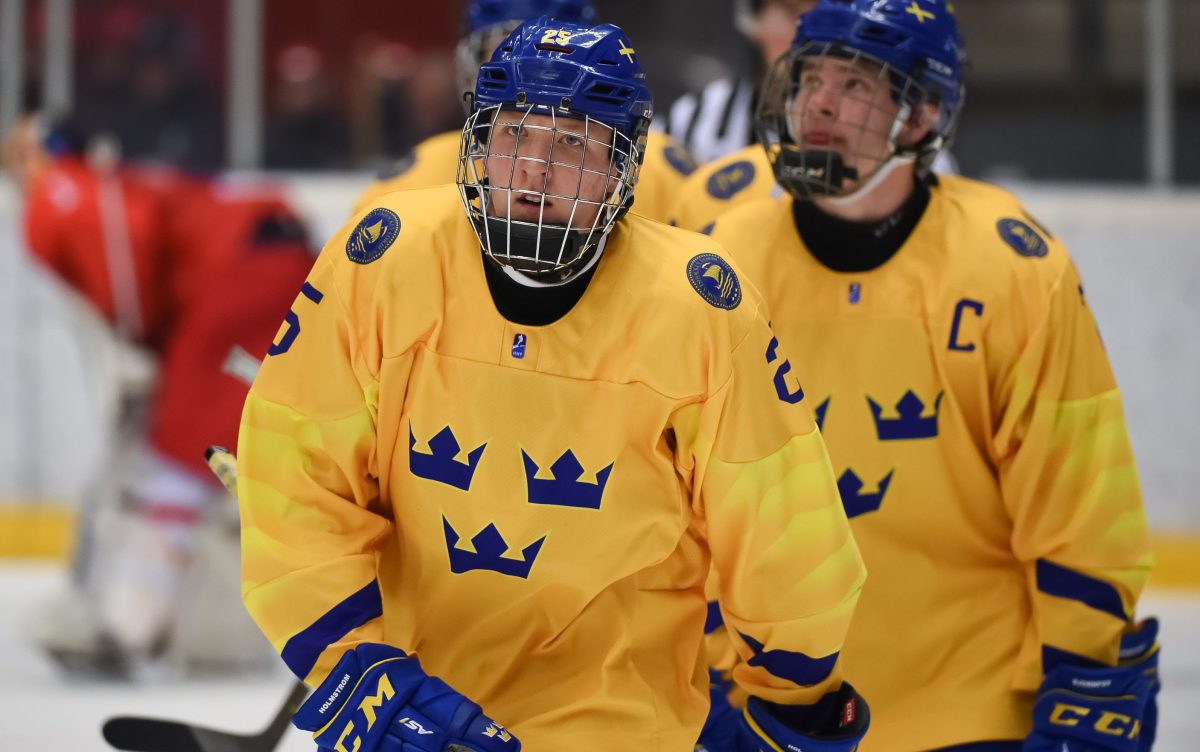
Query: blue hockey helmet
[487, 22]
[551, 80]
[921, 56]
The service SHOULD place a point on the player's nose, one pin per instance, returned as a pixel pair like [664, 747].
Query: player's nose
[822, 101]
[533, 163]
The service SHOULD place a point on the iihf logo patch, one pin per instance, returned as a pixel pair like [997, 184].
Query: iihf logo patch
[373, 235]
[715, 280]
[855, 292]
[1023, 239]
[518, 347]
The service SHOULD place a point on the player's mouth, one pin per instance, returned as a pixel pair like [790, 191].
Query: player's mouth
[820, 139]
[528, 207]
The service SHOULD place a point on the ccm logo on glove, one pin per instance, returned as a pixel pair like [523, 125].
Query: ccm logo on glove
[1113, 724]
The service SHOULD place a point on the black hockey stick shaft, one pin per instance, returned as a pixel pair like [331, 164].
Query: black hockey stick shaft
[155, 735]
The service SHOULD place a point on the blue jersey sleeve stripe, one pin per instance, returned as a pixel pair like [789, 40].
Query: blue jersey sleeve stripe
[797, 668]
[1053, 657]
[302, 650]
[1061, 582]
[713, 619]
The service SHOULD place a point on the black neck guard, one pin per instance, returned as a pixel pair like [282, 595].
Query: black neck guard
[533, 306]
[845, 246]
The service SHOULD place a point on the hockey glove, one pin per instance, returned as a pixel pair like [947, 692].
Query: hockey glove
[378, 699]
[1139, 651]
[721, 727]
[1088, 710]
[835, 724]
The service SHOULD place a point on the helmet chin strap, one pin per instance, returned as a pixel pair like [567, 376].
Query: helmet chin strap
[886, 169]
[898, 157]
[528, 280]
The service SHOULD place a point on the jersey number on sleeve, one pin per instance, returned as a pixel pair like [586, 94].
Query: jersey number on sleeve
[781, 387]
[293, 322]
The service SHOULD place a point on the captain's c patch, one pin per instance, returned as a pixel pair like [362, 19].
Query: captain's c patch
[373, 235]
[715, 280]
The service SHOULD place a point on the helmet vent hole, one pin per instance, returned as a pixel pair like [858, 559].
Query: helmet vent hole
[608, 93]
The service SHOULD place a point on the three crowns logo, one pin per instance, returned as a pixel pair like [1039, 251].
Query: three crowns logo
[565, 489]
[910, 424]
[854, 500]
[439, 465]
[490, 548]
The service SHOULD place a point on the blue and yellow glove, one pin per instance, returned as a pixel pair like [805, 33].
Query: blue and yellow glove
[1139, 651]
[378, 699]
[1088, 710]
[836, 723]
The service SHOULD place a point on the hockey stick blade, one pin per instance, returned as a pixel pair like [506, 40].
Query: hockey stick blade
[155, 735]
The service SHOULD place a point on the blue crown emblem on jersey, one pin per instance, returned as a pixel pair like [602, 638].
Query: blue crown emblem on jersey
[715, 280]
[856, 502]
[439, 465]
[730, 179]
[1023, 239]
[819, 413]
[565, 489]
[490, 548]
[911, 423]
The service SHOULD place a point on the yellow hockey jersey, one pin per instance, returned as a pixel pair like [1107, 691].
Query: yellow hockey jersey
[532, 510]
[435, 161]
[721, 185]
[981, 452]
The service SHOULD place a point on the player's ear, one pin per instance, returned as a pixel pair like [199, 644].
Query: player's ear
[921, 121]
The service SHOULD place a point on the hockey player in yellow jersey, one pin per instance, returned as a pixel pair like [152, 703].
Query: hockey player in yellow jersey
[502, 447]
[433, 161]
[966, 400]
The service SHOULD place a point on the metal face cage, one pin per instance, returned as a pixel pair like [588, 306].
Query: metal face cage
[543, 186]
[831, 118]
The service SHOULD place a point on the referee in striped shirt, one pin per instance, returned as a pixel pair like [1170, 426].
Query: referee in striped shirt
[717, 120]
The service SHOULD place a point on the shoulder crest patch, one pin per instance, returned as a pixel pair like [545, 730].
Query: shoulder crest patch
[715, 280]
[680, 158]
[373, 235]
[1023, 239]
[730, 179]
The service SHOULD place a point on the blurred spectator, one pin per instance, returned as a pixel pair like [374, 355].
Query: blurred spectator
[716, 120]
[141, 84]
[305, 130]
